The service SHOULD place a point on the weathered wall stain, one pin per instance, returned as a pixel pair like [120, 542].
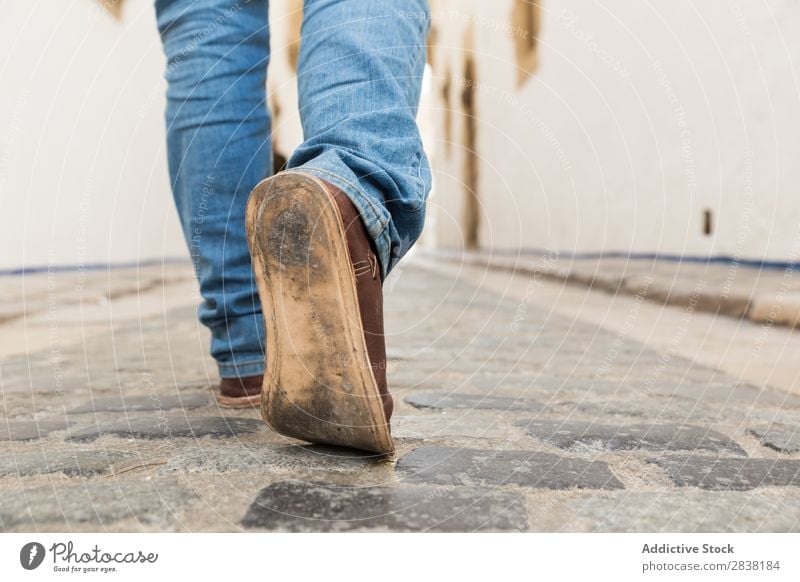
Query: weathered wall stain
[469, 142]
[525, 19]
[447, 112]
[433, 37]
[114, 7]
[295, 23]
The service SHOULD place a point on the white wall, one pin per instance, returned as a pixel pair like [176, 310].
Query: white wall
[83, 173]
[639, 117]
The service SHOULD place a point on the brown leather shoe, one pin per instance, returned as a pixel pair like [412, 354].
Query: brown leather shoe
[370, 290]
[240, 392]
[319, 283]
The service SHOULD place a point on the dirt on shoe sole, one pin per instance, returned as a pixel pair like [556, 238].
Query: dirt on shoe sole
[319, 385]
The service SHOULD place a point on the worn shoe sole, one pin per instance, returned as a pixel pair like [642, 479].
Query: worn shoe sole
[319, 385]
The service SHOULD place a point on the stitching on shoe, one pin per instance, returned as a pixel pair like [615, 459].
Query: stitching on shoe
[370, 266]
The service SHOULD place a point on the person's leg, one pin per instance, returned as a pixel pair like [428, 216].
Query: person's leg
[218, 139]
[326, 231]
[359, 79]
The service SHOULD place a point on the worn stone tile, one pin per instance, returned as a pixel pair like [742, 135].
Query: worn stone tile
[730, 394]
[455, 400]
[152, 403]
[454, 466]
[463, 423]
[218, 457]
[764, 417]
[296, 506]
[500, 382]
[663, 408]
[170, 426]
[149, 502]
[29, 430]
[782, 438]
[729, 473]
[685, 511]
[72, 463]
[579, 435]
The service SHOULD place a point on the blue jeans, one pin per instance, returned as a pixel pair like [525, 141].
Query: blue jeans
[359, 77]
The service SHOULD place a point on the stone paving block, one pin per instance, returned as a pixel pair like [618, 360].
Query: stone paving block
[216, 457]
[579, 435]
[72, 463]
[487, 383]
[782, 438]
[456, 424]
[778, 416]
[29, 430]
[729, 394]
[732, 474]
[443, 400]
[656, 407]
[152, 403]
[149, 502]
[461, 466]
[297, 506]
[38, 381]
[170, 426]
[688, 510]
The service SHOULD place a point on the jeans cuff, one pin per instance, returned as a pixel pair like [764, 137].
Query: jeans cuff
[241, 369]
[374, 216]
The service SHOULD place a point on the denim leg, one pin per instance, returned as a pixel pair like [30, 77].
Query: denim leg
[359, 78]
[218, 142]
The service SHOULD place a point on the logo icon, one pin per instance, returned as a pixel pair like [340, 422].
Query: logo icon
[31, 555]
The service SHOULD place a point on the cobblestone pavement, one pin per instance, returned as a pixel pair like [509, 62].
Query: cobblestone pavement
[508, 417]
